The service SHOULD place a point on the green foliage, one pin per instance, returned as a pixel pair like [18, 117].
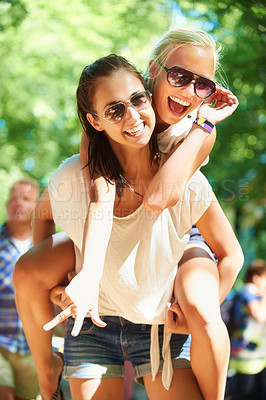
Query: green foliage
[44, 44]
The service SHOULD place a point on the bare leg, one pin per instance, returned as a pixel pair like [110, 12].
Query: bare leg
[96, 389]
[39, 270]
[184, 386]
[197, 291]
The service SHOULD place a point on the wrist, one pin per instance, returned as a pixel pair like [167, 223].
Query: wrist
[204, 124]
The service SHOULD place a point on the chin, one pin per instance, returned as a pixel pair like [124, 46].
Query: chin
[175, 119]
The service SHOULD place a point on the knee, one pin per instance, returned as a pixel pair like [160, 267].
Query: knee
[23, 275]
[203, 321]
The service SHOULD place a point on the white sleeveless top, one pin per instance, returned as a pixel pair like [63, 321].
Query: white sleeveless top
[143, 250]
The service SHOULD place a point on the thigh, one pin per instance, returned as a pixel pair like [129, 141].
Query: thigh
[96, 389]
[49, 261]
[197, 282]
[183, 387]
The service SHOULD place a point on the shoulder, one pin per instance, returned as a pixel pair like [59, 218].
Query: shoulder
[196, 199]
[67, 179]
[69, 167]
[199, 186]
[67, 171]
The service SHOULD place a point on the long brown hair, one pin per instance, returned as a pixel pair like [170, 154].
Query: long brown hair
[101, 158]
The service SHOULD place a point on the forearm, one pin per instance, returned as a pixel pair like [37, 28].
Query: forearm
[229, 268]
[97, 232]
[169, 183]
[219, 235]
[98, 226]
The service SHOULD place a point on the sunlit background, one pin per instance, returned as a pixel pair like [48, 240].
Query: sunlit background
[44, 44]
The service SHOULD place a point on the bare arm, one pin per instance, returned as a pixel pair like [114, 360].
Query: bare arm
[168, 184]
[99, 220]
[98, 224]
[218, 233]
[83, 290]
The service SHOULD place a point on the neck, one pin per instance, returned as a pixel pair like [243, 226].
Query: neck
[160, 124]
[19, 230]
[137, 166]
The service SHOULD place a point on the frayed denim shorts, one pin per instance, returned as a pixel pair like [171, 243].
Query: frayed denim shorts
[101, 352]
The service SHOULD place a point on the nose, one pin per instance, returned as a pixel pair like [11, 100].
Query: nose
[190, 88]
[131, 113]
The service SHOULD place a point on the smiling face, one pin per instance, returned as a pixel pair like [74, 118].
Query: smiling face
[172, 104]
[136, 127]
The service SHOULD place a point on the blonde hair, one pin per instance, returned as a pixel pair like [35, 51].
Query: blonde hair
[176, 38]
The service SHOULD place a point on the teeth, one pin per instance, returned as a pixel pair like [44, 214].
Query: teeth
[136, 129]
[179, 101]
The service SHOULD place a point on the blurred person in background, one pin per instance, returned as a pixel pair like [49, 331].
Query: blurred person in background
[247, 368]
[18, 379]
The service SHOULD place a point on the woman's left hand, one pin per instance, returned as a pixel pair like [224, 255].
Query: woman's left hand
[174, 319]
[218, 106]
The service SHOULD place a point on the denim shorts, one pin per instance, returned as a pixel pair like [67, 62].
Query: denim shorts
[197, 239]
[101, 352]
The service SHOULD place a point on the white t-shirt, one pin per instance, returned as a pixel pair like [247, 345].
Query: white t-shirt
[144, 247]
[142, 254]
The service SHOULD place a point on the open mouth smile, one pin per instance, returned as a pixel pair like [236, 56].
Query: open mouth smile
[136, 130]
[177, 105]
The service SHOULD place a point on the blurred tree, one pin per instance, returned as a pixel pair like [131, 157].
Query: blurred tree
[45, 44]
[43, 47]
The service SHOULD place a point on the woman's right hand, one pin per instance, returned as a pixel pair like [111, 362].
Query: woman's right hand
[80, 298]
[218, 106]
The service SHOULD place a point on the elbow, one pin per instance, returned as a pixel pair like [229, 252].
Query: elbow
[158, 203]
[20, 274]
[233, 258]
[152, 205]
[237, 260]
